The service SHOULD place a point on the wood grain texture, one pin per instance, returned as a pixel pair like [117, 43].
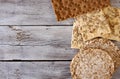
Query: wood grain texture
[35, 53]
[36, 43]
[31, 12]
[35, 70]
[36, 35]
[38, 70]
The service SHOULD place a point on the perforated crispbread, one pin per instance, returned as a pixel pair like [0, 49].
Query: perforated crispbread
[70, 8]
[106, 45]
[113, 16]
[92, 64]
[92, 25]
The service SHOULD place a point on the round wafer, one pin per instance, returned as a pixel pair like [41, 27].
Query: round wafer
[92, 64]
[107, 46]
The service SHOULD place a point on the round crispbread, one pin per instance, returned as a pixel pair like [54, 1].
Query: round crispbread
[92, 64]
[107, 46]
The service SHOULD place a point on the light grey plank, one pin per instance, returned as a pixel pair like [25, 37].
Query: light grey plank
[36, 43]
[31, 12]
[36, 53]
[36, 35]
[35, 70]
[38, 70]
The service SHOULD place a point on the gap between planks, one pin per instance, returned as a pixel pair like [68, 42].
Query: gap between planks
[35, 60]
[69, 25]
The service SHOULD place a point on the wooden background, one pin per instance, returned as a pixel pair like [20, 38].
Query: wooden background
[33, 45]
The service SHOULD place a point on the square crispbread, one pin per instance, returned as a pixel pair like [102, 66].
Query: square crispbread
[92, 25]
[92, 64]
[113, 16]
[77, 40]
[70, 8]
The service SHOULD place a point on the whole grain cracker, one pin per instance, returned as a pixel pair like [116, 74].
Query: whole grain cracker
[77, 40]
[92, 64]
[92, 25]
[70, 8]
[106, 45]
[113, 16]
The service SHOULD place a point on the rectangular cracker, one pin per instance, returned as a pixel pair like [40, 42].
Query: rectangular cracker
[77, 40]
[113, 16]
[92, 25]
[70, 8]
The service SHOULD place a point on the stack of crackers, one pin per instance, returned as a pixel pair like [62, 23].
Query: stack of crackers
[96, 24]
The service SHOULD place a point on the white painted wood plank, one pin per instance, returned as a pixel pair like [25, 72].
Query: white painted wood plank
[36, 35]
[38, 70]
[31, 12]
[36, 53]
[35, 70]
[36, 43]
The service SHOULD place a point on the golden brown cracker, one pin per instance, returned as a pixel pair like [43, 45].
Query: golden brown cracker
[70, 8]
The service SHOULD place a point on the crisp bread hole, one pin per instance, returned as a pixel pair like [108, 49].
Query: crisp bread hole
[94, 2]
[74, 9]
[60, 9]
[83, 12]
[55, 5]
[84, 6]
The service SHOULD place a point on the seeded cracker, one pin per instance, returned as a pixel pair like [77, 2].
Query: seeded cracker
[113, 16]
[106, 45]
[77, 40]
[92, 25]
[92, 64]
[65, 9]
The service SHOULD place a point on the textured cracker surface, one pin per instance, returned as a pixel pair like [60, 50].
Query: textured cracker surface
[106, 45]
[92, 25]
[92, 64]
[77, 40]
[70, 8]
[113, 16]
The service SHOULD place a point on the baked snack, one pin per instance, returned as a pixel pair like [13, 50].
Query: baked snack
[113, 16]
[92, 64]
[92, 25]
[106, 45]
[70, 8]
[77, 40]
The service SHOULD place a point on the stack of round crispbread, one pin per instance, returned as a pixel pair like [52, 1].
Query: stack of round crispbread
[107, 46]
[98, 59]
[92, 64]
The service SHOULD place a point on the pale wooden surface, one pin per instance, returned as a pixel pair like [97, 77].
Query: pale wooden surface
[33, 45]
[34, 70]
